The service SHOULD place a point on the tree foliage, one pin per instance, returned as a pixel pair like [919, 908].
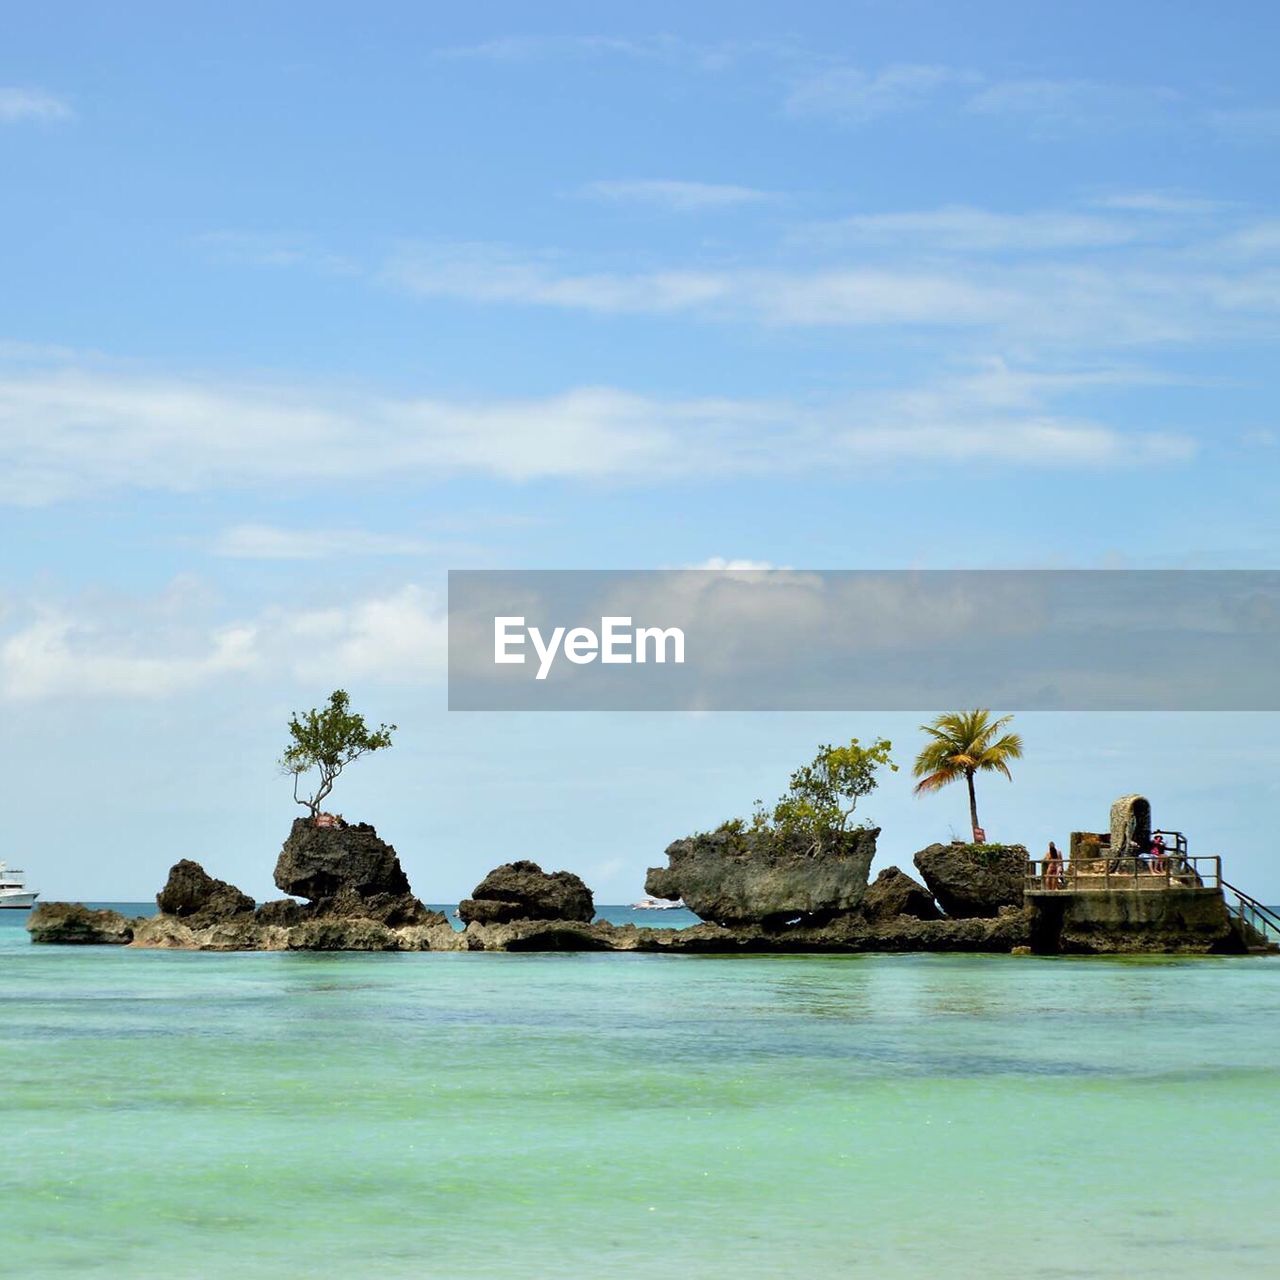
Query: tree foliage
[963, 744]
[327, 740]
[821, 797]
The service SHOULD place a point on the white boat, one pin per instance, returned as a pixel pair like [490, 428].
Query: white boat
[14, 894]
[657, 904]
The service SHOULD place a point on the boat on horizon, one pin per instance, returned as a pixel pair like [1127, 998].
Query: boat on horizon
[658, 904]
[14, 894]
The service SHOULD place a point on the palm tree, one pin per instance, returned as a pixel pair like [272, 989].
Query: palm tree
[965, 743]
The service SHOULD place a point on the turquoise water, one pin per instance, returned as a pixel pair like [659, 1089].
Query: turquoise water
[317, 1115]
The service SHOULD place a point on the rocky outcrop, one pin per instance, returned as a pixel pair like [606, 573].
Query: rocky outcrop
[893, 893]
[165, 933]
[192, 893]
[523, 891]
[734, 877]
[974, 880]
[279, 911]
[70, 923]
[346, 872]
[352, 934]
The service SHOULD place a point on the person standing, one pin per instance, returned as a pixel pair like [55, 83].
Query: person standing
[1053, 878]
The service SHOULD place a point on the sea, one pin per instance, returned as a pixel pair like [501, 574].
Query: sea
[295, 1115]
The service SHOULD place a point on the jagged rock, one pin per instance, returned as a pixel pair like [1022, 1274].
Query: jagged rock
[523, 891]
[394, 909]
[441, 936]
[318, 862]
[894, 893]
[279, 911]
[191, 892]
[166, 933]
[352, 934]
[971, 881]
[241, 935]
[735, 877]
[69, 923]
[347, 871]
[548, 935]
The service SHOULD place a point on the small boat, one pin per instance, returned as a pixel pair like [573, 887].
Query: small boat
[14, 894]
[658, 904]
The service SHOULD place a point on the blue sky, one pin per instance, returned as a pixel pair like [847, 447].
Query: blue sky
[303, 307]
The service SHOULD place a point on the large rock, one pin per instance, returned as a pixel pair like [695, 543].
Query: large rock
[346, 871]
[279, 911]
[523, 891]
[70, 923]
[974, 881]
[736, 877]
[352, 934]
[164, 933]
[192, 893]
[893, 893]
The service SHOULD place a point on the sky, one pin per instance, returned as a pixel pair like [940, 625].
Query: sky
[302, 306]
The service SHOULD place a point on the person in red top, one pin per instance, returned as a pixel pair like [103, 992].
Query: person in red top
[1157, 854]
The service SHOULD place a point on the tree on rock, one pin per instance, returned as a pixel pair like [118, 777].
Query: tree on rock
[823, 794]
[963, 744]
[327, 741]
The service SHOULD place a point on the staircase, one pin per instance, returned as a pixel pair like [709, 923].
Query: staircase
[1259, 925]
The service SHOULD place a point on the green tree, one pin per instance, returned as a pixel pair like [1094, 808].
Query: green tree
[327, 741]
[823, 794]
[963, 744]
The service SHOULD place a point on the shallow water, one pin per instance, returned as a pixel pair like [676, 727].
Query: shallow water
[320, 1115]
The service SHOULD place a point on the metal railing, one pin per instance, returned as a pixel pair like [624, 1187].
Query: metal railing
[1140, 874]
[1262, 919]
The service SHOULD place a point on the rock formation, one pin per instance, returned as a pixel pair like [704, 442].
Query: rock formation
[69, 923]
[974, 881]
[347, 872]
[192, 893]
[523, 891]
[756, 878]
[893, 893]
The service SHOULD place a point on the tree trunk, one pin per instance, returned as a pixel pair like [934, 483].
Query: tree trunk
[973, 804]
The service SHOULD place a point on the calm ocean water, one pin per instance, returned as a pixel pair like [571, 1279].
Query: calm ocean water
[293, 1115]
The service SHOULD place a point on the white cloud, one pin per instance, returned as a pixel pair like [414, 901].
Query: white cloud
[393, 639]
[1247, 124]
[1174, 283]
[147, 649]
[69, 434]
[855, 96]
[854, 296]
[1073, 103]
[59, 655]
[275, 249]
[18, 104]
[269, 542]
[964, 229]
[732, 565]
[1160, 202]
[675, 196]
